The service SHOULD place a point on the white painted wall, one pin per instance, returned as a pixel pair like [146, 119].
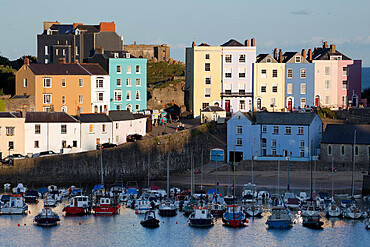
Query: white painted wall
[88, 140]
[105, 90]
[122, 129]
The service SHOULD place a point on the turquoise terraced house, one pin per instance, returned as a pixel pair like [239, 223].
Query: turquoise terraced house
[128, 84]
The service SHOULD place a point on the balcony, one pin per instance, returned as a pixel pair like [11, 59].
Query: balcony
[228, 93]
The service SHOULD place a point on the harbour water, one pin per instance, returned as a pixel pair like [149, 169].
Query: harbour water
[124, 229]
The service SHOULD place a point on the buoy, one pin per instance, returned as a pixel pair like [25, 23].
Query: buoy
[79, 223]
[176, 222]
[19, 224]
[24, 223]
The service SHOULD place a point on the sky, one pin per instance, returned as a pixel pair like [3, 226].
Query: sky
[291, 25]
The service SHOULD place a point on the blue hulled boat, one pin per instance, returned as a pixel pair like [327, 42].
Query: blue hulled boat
[234, 216]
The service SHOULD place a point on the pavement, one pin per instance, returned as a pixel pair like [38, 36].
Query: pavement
[171, 127]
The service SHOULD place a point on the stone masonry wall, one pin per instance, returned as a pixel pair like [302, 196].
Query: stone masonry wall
[125, 162]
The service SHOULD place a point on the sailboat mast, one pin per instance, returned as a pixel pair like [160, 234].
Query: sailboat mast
[332, 176]
[168, 166]
[148, 168]
[101, 166]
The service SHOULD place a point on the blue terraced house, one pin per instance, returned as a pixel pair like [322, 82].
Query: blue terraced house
[299, 81]
[128, 80]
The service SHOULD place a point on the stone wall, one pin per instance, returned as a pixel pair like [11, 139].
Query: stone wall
[125, 162]
[172, 93]
[150, 52]
[18, 104]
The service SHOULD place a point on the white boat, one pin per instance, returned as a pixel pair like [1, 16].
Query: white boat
[293, 204]
[15, 205]
[310, 210]
[63, 192]
[287, 196]
[353, 212]
[142, 206]
[20, 189]
[249, 193]
[167, 209]
[253, 211]
[7, 187]
[263, 195]
[333, 211]
[201, 217]
[52, 188]
[280, 218]
[49, 201]
[303, 197]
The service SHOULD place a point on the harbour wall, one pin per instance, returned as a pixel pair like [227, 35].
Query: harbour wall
[127, 162]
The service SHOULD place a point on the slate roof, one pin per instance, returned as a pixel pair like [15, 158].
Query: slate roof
[62, 28]
[212, 109]
[89, 28]
[138, 116]
[93, 118]
[57, 69]
[232, 42]
[288, 55]
[94, 68]
[344, 134]
[121, 115]
[282, 118]
[325, 53]
[17, 114]
[260, 57]
[49, 117]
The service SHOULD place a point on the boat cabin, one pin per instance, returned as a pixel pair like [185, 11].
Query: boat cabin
[16, 201]
[105, 201]
[80, 201]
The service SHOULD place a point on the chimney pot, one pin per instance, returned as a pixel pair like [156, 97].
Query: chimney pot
[310, 55]
[26, 61]
[275, 53]
[246, 42]
[193, 44]
[326, 44]
[332, 48]
[134, 42]
[304, 53]
[253, 42]
[280, 55]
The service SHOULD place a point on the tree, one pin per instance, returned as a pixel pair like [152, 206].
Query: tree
[4, 61]
[17, 64]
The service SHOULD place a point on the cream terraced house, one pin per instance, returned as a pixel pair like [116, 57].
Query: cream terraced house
[11, 133]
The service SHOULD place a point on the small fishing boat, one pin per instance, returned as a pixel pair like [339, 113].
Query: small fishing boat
[167, 209]
[79, 205]
[150, 220]
[302, 197]
[249, 193]
[229, 199]
[106, 205]
[253, 211]
[201, 217]
[353, 212]
[49, 201]
[142, 206]
[310, 209]
[333, 211]
[280, 218]
[263, 195]
[31, 196]
[217, 209]
[312, 222]
[46, 218]
[293, 204]
[234, 216]
[15, 205]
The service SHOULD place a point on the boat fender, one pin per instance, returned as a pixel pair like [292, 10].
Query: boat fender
[237, 216]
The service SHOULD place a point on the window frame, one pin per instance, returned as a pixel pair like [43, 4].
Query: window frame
[47, 82]
[303, 73]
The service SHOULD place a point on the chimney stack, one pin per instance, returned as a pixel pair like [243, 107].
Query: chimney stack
[253, 42]
[325, 45]
[99, 50]
[26, 61]
[275, 53]
[107, 26]
[280, 55]
[310, 55]
[134, 42]
[48, 24]
[76, 24]
[78, 111]
[332, 48]
[246, 42]
[193, 44]
[24, 111]
[62, 60]
[304, 53]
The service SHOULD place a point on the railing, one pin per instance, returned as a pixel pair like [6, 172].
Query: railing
[238, 94]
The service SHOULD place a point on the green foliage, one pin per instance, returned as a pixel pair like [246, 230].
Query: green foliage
[20, 61]
[2, 105]
[161, 71]
[327, 113]
[7, 70]
[4, 60]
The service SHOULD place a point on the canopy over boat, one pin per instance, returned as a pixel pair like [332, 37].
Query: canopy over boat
[132, 191]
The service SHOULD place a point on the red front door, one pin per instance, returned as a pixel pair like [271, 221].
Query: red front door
[317, 101]
[227, 106]
[289, 104]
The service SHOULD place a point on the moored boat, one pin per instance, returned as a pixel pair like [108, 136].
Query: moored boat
[106, 205]
[333, 211]
[79, 205]
[15, 205]
[31, 196]
[142, 206]
[312, 222]
[353, 212]
[253, 211]
[280, 218]
[46, 218]
[167, 209]
[234, 216]
[217, 209]
[150, 220]
[49, 201]
[293, 203]
[201, 217]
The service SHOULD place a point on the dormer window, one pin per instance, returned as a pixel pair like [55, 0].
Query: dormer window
[115, 55]
[127, 55]
[77, 31]
[297, 59]
[268, 60]
[49, 32]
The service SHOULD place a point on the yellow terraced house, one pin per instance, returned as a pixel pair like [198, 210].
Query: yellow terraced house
[268, 83]
[203, 69]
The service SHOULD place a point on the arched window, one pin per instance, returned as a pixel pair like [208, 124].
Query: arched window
[342, 150]
[329, 149]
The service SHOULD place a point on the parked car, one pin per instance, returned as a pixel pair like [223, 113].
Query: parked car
[108, 145]
[8, 159]
[134, 138]
[43, 153]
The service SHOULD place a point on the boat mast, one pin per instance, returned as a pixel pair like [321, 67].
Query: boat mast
[191, 173]
[101, 166]
[168, 167]
[148, 168]
[332, 177]
[354, 162]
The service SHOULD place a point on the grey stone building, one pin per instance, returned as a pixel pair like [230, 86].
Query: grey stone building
[344, 143]
[158, 52]
[75, 42]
